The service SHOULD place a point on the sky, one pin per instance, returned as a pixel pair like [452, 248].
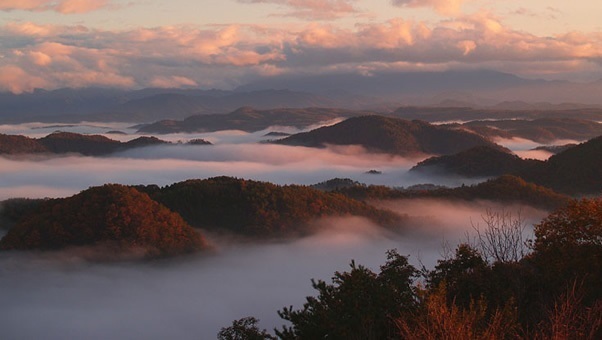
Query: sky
[226, 43]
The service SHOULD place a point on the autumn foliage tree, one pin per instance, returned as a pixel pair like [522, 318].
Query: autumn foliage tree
[113, 215]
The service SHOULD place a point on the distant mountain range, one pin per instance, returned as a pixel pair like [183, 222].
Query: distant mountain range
[391, 135]
[250, 120]
[75, 105]
[463, 114]
[479, 87]
[381, 92]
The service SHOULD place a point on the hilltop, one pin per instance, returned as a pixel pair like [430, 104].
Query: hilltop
[480, 161]
[391, 135]
[69, 142]
[506, 189]
[255, 208]
[114, 216]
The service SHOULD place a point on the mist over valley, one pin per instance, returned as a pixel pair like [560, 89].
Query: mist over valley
[278, 169]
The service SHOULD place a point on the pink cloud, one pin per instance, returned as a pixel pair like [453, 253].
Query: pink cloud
[226, 56]
[62, 6]
[313, 9]
[172, 82]
[445, 7]
[80, 6]
[17, 80]
[28, 5]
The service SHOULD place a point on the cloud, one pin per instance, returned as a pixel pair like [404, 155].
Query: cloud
[225, 56]
[445, 7]
[172, 82]
[17, 80]
[550, 13]
[313, 9]
[62, 6]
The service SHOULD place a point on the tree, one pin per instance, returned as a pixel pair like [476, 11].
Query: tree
[244, 329]
[568, 248]
[577, 224]
[502, 238]
[359, 304]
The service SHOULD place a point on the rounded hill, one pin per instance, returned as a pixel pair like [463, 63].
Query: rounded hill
[256, 208]
[118, 217]
[481, 161]
[391, 135]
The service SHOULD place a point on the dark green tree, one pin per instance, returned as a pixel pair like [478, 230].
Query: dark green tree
[359, 304]
[244, 329]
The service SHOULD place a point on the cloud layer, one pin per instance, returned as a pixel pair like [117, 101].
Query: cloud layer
[51, 297]
[446, 7]
[62, 6]
[51, 56]
[312, 9]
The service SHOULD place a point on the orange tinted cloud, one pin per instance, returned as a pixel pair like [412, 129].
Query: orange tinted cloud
[62, 6]
[445, 7]
[227, 56]
[313, 9]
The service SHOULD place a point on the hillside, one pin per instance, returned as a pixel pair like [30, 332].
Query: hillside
[391, 135]
[65, 142]
[250, 120]
[114, 216]
[481, 161]
[506, 189]
[16, 144]
[68, 142]
[577, 170]
[539, 130]
[254, 208]
[574, 171]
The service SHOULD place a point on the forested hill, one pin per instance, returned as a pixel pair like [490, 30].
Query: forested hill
[250, 120]
[574, 171]
[391, 135]
[480, 161]
[577, 170]
[258, 208]
[506, 189]
[68, 142]
[118, 218]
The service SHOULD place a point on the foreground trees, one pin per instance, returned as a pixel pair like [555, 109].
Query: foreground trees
[551, 293]
[359, 304]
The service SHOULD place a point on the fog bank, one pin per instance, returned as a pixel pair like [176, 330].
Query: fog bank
[57, 297]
